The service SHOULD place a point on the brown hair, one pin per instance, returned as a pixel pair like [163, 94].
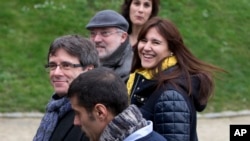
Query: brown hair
[187, 63]
[125, 11]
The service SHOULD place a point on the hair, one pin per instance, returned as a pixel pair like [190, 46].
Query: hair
[125, 8]
[100, 85]
[187, 63]
[77, 46]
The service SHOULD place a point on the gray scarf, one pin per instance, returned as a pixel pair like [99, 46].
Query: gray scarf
[56, 109]
[123, 125]
[120, 61]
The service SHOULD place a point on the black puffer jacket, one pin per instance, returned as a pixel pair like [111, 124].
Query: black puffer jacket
[172, 111]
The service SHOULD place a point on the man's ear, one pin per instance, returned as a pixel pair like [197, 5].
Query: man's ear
[101, 112]
[124, 36]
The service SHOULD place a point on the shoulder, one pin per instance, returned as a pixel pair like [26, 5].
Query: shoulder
[172, 102]
[172, 95]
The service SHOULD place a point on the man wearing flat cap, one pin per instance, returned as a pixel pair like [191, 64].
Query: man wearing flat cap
[108, 30]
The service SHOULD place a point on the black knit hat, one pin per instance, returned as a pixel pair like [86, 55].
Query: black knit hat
[108, 18]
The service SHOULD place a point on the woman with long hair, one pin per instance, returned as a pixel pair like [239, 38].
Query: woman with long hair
[167, 82]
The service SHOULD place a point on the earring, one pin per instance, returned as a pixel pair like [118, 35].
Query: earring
[171, 54]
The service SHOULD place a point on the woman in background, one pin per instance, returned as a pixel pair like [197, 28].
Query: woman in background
[137, 13]
[167, 82]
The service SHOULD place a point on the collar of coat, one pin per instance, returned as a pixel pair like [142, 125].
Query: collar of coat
[114, 60]
[168, 62]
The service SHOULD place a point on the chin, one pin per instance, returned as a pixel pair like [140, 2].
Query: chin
[61, 92]
[147, 66]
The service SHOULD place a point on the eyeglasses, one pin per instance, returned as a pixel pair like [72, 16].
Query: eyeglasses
[63, 66]
[102, 33]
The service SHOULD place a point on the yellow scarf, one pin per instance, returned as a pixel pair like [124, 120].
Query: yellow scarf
[168, 62]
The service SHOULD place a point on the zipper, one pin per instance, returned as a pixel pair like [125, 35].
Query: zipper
[136, 83]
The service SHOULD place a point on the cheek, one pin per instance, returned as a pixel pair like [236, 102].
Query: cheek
[140, 48]
[50, 75]
[149, 12]
[132, 10]
[163, 53]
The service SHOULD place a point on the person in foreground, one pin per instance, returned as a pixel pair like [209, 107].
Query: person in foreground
[167, 82]
[68, 57]
[100, 101]
[137, 13]
[108, 30]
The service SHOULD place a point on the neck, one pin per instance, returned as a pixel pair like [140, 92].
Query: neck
[134, 34]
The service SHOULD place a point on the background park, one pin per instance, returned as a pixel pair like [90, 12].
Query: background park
[216, 31]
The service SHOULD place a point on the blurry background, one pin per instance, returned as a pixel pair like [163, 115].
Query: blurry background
[216, 31]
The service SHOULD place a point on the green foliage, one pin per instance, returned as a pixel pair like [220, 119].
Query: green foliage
[215, 31]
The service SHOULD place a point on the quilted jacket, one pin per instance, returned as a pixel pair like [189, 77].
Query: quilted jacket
[172, 111]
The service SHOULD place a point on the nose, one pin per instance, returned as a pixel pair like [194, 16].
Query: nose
[97, 38]
[147, 46]
[76, 121]
[141, 8]
[57, 71]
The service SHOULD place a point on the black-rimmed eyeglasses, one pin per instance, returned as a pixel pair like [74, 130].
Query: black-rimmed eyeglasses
[63, 66]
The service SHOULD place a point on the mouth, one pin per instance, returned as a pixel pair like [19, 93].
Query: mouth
[100, 47]
[148, 56]
[59, 81]
[139, 17]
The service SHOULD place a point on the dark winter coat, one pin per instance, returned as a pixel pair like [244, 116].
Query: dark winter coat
[172, 111]
[67, 131]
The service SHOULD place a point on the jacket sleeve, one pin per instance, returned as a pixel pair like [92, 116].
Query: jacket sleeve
[172, 116]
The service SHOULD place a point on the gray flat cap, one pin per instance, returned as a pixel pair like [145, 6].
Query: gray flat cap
[108, 18]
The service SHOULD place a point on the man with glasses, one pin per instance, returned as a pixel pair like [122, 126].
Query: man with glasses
[68, 57]
[108, 30]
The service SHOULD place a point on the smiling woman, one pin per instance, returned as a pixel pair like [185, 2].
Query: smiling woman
[167, 82]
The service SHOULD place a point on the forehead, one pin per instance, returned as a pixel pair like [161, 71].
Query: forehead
[74, 102]
[154, 34]
[150, 1]
[75, 106]
[62, 55]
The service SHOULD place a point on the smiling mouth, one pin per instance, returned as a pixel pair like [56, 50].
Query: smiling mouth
[148, 56]
[59, 81]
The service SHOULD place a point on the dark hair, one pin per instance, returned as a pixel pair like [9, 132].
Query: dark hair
[126, 6]
[77, 46]
[187, 63]
[100, 85]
